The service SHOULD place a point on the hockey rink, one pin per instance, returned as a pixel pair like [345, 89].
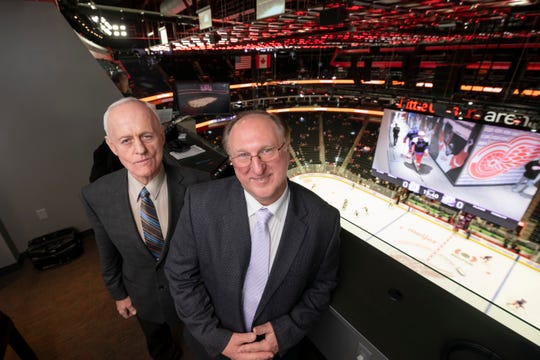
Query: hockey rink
[487, 276]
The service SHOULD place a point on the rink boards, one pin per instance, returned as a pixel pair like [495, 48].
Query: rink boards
[483, 274]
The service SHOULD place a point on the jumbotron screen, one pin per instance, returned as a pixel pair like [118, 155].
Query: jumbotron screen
[485, 170]
[194, 98]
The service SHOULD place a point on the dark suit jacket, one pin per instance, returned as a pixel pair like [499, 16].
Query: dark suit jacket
[128, 268]
[209, 257]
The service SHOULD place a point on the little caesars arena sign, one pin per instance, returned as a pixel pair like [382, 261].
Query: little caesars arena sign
[493, 117]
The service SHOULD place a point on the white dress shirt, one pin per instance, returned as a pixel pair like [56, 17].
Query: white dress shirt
[276, 222]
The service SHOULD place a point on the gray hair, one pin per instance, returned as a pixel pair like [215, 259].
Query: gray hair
[281, 124]
[117, 103]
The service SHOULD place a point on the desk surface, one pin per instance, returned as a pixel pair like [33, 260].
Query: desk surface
[209, 160]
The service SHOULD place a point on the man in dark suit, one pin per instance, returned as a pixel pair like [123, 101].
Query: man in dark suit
[132, 270]
[211, 251]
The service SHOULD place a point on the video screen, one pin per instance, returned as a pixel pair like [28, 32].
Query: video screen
[205, 17]
[267, 8]
[194, 98]
[485, 170]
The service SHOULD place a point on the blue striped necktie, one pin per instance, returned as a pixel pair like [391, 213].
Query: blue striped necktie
[153, 238]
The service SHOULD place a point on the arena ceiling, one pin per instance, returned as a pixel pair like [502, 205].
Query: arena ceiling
[307, 24]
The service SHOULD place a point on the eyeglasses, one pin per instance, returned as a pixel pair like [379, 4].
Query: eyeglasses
[265, 155]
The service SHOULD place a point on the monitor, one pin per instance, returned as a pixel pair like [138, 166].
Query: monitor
[195, 98]
[205, 17]
[472, 166]
[268, 8]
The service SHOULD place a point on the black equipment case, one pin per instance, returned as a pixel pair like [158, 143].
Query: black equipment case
[54, 249]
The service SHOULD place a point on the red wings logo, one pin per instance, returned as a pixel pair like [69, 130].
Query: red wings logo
[498, 158]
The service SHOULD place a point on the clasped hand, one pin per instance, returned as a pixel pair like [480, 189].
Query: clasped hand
[243, 346]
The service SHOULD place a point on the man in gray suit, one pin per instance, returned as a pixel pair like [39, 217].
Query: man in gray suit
[211, 251]
[133, 271]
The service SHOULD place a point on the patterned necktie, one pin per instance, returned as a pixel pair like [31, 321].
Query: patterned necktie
[153, 237]
[257, 273]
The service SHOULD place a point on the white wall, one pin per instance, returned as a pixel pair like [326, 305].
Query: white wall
[53, 97]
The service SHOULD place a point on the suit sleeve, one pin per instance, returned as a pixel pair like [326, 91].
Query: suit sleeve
[111, 260]
[192, 301]
[292, 327]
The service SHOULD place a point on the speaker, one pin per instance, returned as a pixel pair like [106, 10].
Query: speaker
[446, 81]
[467, 350]
[214, 38]
[366, 71]
[332, 16]
[410, 69]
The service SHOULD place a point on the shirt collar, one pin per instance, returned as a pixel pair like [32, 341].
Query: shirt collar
[153, 187]
[253, 205]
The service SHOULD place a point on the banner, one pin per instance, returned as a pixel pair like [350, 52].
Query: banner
[263, 61]
[242, 62]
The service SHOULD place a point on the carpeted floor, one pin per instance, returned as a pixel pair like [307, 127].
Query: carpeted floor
[65, 312]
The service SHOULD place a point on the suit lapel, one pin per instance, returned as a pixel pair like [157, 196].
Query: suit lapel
[236, 242]
[293, 235]
[120, 197]
[176, 190]
[236, 238]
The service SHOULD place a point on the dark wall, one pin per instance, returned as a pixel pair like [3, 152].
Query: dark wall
[407, 316]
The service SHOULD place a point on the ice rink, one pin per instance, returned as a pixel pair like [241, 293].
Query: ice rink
[489, 277]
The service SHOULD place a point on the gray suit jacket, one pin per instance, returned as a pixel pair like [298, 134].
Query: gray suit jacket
[209, 257]
[128, 268]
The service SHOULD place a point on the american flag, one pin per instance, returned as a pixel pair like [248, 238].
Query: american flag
[242, 62]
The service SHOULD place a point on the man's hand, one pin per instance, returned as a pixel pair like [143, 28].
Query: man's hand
[238, 341]
[268, 344]
[125, 308]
